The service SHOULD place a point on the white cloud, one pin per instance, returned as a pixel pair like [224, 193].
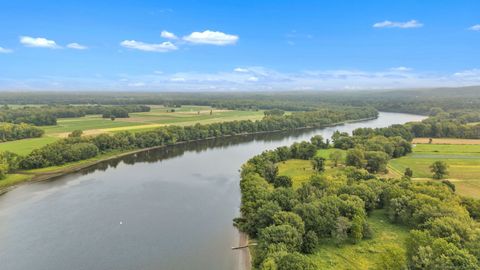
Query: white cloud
[5, 50]
[252, 79]
[76, 46]
[38, 42]
[241, 70]
[475, 27]
[400, 69]
[149, 47]
[211, 37]
[471, 73]
[177, 79]
[390, 24]
[168, 35]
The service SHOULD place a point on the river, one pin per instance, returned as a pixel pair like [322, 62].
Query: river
[164, 209]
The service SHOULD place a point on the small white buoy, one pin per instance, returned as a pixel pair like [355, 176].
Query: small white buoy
[121, 222]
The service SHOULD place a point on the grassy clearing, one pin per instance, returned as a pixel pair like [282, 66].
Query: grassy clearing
[24, 147]
[445, 141]
[301, 170]
[366, 254]
[463, 161]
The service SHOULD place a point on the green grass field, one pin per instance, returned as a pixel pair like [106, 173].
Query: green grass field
[301, 170]
[463, 162]
[366, 253]
[158, 116]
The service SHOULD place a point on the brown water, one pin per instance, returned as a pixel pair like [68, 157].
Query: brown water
[170, 208]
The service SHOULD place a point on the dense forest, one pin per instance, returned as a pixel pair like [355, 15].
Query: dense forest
[47, 115]
[77, 148]
[418, 101]
[289, 223]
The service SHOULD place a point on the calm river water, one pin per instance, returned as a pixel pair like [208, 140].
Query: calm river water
[165, 209]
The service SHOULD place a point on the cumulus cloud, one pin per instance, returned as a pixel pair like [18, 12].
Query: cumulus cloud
[76, 46]
[404, 25]
[168, 35]
[475, 27]
[5, 50]
[39, 42]
[149, 47]
[211, 38]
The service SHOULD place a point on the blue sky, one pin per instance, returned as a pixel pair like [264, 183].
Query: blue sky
[238, 45]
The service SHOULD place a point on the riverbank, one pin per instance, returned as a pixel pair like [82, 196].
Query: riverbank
[48, 173]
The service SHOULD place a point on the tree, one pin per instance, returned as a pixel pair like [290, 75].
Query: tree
[282, 181]
[75, 134]
[335, 157]
[439, 169]
[3, 170]
[270, 171]
[317, 140]
[408, 172]
[310, 242]
[318, 164]
[340, 234]
[355, 157]
[376, 161]
[295, 261]
[281, 234]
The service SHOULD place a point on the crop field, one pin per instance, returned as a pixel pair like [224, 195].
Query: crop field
[158, 116]
[463, 161]
[367, 253]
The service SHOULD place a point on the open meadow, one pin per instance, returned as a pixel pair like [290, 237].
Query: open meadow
[463, 161]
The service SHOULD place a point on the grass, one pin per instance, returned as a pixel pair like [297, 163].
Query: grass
[13, 179]
[24, 147]
[445, 141]
[463, 161]
[301, 170]
[366, 253]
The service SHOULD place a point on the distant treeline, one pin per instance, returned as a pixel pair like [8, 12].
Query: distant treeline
[288, 223]
[47, 115]
[79, 148]
[11, 132]
[418, 101]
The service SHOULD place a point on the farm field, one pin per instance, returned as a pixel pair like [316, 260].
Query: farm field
[463, 161]
[445, 141]
[158, 116]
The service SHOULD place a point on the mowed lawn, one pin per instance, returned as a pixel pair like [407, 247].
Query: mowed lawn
[463, 161]
[24, 147]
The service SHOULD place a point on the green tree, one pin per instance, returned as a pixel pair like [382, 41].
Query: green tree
[408, 172]
[317, 140]
[295, 261]
[439, 169]
[281, 234]
[335, 157]
[270, 171]
[282, 181]
[318, 163]
[355, 157]
[75, 134]
[376, 161]
[310, 242]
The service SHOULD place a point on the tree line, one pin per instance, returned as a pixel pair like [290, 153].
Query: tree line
[47, 115]
[12, 132]
[289, 223]
[77, 148]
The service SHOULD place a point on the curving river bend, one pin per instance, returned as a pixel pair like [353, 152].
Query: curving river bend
[164, 209]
